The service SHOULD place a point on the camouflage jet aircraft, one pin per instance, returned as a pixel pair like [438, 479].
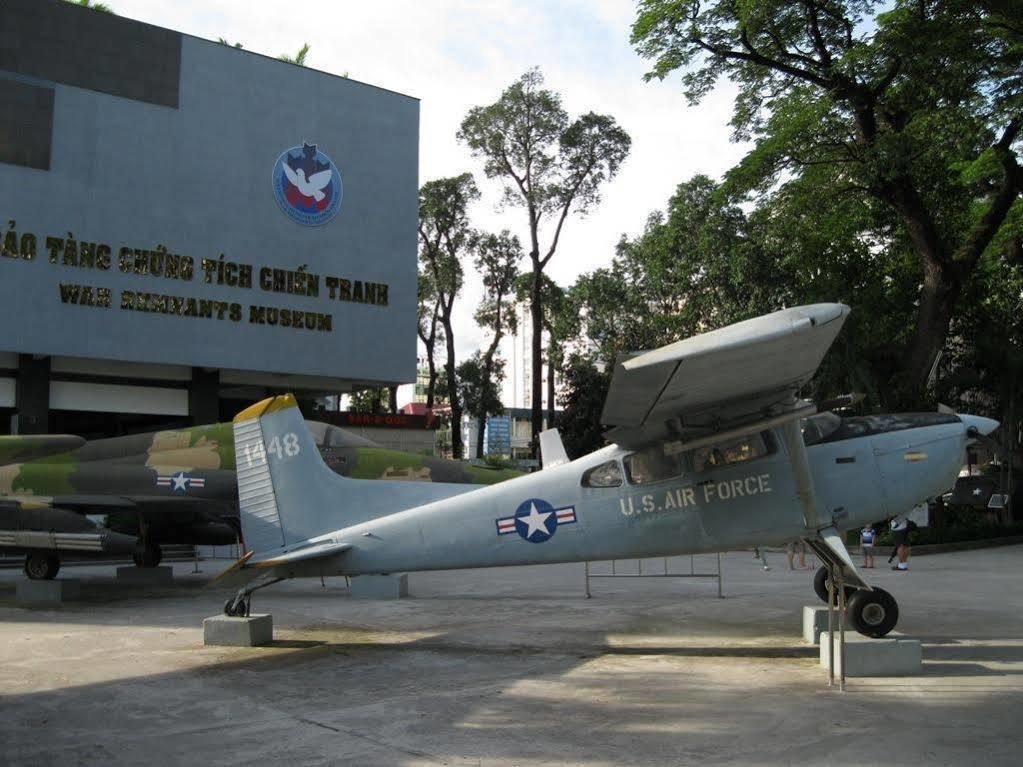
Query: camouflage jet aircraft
[712, 451]
[174, 486]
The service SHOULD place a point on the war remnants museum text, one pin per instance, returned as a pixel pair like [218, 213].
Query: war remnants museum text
[68, 253]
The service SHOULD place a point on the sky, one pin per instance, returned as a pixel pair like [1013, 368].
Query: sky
[456, 55]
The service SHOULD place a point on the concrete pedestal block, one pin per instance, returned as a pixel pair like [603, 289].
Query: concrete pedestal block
[379, 586]
[226, 631]
[893, 655]
[815, 623]
[47, 592]
[146, 575]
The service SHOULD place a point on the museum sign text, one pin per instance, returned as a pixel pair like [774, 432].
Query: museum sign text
[170, 268]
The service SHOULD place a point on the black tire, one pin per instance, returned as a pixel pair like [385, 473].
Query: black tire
[41, 566]
[229, 607]
[820, 587]
[873, 613]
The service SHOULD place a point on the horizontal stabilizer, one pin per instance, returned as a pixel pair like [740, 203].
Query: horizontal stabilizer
[317, 551]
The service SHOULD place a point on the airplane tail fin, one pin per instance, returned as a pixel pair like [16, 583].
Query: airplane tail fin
[287, 494]
[284, 488]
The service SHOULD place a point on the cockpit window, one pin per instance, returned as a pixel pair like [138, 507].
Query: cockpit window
[817, 427]
[735, 451]
[606, 475]
[653, 464]
[867, 425]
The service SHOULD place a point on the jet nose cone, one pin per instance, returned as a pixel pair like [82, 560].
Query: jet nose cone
[983, 425]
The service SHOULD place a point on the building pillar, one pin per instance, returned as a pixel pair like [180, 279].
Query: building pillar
[32, 396]
[204, 396]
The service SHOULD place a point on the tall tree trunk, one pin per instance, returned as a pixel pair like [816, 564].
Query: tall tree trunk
[481, 423]
[536, 316]
[550, 392]
[456, 406]
[393, 398]
[432, 386]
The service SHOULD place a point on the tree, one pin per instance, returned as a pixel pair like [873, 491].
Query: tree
[298, 58]
[584, 388]
[549, 166]
[101, 7]
[497, 258]
[367, 401]
[918, 109]
[224, 41]
[444, 236]
[560, 323]
[479, 388]
[428, 308]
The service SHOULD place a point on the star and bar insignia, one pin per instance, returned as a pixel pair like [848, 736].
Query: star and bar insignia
[181, 482]
[536, 521]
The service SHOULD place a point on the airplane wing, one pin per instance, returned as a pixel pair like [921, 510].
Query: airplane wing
[736, 379]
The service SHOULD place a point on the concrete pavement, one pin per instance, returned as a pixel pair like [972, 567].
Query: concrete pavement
[512, 666]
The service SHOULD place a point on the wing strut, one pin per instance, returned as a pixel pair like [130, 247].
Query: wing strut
[823, 537]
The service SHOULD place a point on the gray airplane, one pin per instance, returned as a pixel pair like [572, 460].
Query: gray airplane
[712, 451]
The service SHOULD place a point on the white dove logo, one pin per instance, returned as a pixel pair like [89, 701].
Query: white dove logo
[311, 187]
[307, 185]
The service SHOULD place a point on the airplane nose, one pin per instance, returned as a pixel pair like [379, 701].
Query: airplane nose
[982, 425]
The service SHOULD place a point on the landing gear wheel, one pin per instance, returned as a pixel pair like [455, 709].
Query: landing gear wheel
[873, 613]
[149, 555]
[820, 587]
[41, 566]
[235, 608]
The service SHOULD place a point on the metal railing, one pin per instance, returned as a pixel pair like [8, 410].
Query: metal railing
[663, 573]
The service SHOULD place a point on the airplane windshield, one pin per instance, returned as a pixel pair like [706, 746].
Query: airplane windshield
[818, 427]
[828, 427]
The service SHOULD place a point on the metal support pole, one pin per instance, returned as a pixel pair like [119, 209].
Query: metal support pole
[587, 571]
[841, 627]
[639, 563]
[831, 626]
[613, 568]
[720, 593]
[195, 552]
[692, 565]
[665, 565]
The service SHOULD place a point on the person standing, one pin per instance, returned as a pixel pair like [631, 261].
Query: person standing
[867, 537]
[900, 541]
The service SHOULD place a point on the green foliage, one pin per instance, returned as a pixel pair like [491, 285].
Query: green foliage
[101, 7]
[480, 389]
[549, 165]
[444, 237]
[299, 58]
[911, 110]
[368, 400]
[583, 391]
[224, 41]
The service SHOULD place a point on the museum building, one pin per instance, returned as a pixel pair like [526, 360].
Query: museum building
[188, 227]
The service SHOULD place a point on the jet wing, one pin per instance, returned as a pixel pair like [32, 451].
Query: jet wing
[743, 376]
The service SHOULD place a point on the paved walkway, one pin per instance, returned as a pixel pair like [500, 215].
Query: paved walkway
[513, 666]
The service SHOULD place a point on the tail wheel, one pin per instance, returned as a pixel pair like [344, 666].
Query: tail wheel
[820, 587]
[873, 613]
[42, 566]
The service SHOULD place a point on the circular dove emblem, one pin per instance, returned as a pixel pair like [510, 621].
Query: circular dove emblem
[307, 185]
